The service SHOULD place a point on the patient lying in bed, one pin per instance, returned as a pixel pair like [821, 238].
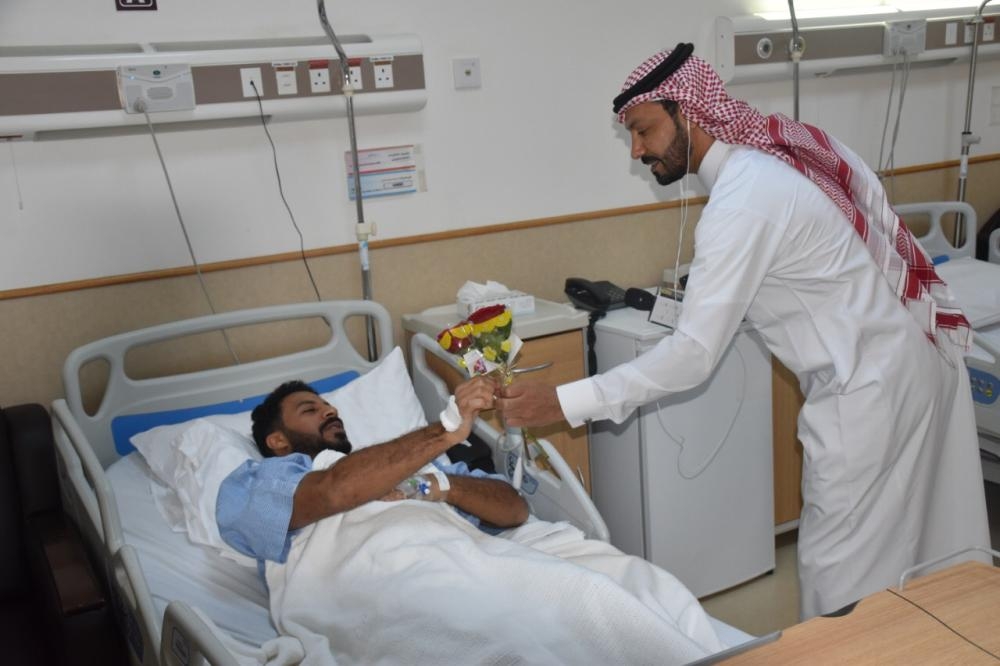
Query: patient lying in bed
[263, 502]
[452, 570]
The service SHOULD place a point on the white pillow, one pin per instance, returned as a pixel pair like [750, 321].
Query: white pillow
[158, 446]
[379, 406]
[193, 458]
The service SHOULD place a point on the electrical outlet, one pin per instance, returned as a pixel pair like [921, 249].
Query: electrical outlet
[383, 73]
[355, 72]
[989, 31]
[252, 75]
[319, 78]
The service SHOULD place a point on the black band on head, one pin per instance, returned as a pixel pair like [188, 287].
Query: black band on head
[659, 74]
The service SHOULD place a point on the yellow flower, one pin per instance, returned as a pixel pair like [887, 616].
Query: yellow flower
[505, 346]
[490, 354]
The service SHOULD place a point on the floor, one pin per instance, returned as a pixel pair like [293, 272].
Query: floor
[770, 602]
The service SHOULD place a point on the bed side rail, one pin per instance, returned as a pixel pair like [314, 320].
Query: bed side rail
[188, 640]
[82, 475]
[551, 496]
[134, 609]
[934, 242]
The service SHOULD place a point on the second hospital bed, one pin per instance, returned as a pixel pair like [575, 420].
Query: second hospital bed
[158, 577]
[976, 286]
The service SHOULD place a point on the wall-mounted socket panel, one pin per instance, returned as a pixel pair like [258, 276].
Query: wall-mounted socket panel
[251, 78]
[356, 80]
[383, 72]
[319, 78]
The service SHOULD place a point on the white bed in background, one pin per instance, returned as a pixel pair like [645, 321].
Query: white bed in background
[976, 286]
[158, 576]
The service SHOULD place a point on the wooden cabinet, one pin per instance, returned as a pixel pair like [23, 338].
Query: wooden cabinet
[786, 401]
[566, 353]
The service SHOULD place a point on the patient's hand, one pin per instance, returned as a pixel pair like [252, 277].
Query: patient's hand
[473, 396]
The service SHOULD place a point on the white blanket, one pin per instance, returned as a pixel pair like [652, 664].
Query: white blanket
[414, 582]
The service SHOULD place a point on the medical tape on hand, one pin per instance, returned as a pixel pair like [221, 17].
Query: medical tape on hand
[443, 484]
[451, 418]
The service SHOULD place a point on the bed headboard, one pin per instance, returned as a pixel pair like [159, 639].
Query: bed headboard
[125, 395]
[934, 242]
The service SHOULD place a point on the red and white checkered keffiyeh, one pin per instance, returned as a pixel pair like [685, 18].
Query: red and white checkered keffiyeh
[838, 172]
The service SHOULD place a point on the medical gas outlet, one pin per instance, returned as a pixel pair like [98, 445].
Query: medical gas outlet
[905, 37]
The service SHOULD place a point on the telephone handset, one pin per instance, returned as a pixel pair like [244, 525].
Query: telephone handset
[599, 296]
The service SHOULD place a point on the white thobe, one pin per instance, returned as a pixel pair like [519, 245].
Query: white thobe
[891, 471]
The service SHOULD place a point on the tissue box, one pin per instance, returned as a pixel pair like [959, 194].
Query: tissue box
[518, 302]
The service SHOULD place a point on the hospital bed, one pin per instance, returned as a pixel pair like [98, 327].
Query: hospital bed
[178, 602]
[976, 286]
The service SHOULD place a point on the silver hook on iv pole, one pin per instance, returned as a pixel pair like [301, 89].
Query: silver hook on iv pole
[364, 230]
[968, 138]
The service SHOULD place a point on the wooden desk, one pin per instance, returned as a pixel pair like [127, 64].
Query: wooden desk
[886, 628]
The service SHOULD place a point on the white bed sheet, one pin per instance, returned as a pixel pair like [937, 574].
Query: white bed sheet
[232, 595]
[976, 286]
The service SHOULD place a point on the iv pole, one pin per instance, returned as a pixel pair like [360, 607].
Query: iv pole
[796, 48]
[968, 138]
[364, 229]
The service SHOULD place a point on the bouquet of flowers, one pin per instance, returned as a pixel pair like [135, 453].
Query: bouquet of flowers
[484, 344]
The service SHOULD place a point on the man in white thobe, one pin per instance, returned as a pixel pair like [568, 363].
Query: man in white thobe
[798, 238]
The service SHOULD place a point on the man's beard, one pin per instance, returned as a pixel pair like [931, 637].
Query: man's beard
[674, 161]
[313, 444]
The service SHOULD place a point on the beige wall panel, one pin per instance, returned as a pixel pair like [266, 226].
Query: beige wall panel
[39, 331]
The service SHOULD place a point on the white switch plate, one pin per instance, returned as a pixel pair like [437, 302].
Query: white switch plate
[989, 31]
[467, 73]
[995, 106]
[285, 77]
[951, 34]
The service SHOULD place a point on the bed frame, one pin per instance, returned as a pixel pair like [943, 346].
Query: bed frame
[84, 449]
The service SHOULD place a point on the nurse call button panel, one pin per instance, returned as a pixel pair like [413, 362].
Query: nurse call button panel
[984, 386]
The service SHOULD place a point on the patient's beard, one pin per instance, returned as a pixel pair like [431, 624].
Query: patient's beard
[314, 444]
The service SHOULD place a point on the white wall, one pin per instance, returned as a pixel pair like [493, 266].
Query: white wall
[538, 139]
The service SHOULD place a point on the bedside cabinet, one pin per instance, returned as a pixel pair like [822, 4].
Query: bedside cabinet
[554, 334]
